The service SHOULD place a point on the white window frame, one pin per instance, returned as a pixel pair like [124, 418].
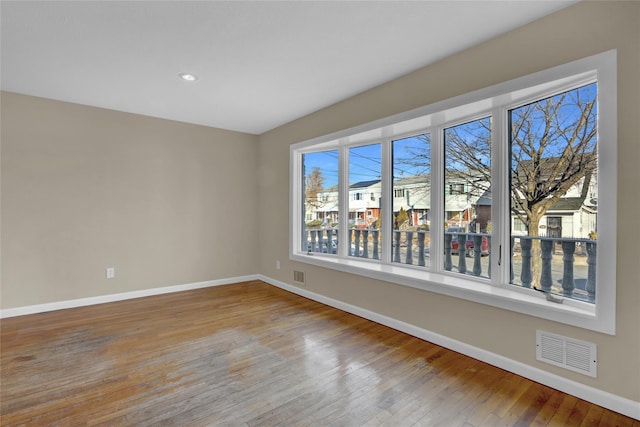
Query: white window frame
[434, 118]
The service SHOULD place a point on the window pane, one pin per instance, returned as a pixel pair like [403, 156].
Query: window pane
[365, 169]
[411, 200]
[554, 193]
[467, 198]
[320, 172]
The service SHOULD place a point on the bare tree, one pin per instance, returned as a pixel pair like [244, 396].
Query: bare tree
[412, 169]
[313, 186]
[468, 155]
[553, 147]
[415, 158]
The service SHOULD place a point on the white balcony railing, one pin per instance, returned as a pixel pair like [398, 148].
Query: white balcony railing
[567, 266]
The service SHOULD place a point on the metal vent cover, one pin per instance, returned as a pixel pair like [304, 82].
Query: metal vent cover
[568, 353]
[298, 276]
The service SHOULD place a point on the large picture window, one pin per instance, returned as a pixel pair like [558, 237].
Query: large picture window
[495, 196]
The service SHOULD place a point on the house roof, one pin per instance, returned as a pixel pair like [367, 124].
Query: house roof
[546, 165]
[567, 204]
[412, 180]
[364, 184]
[485, 199]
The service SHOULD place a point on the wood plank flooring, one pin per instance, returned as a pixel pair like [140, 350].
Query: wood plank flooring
[250, 354]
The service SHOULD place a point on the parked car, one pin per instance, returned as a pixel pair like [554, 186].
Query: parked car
[332, 248]
[353, 250]
[323, 246]
[327, 247]
[358, 223]
[469, 244]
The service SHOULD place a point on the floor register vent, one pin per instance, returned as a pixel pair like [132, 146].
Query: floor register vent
[575, 355]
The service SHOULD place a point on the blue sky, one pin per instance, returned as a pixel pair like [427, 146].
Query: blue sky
[411, 154]
[365, 162]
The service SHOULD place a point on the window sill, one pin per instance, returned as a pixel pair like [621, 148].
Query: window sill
[508, 297]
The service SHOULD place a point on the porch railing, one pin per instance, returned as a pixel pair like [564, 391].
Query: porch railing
[559, 270]
[559, 273]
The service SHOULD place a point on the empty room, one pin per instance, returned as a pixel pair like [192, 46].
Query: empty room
[319, 213]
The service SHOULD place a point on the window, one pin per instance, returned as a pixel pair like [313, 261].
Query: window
[509, 176]
[553, 143]
[518, 227]
[365, 169]
[456, 189]
[411, 157]
[320, 202]
[467, 168]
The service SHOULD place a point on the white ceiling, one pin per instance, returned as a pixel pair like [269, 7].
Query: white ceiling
[261, 64]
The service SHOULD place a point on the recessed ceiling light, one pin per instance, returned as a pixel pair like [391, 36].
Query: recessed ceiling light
[188, 77]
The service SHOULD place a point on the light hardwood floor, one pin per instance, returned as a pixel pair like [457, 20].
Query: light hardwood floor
[250, 354]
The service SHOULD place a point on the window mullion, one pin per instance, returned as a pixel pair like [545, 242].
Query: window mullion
[500, 199]
[296, 167]
[344, 239]
[436, 250]
[387, 202]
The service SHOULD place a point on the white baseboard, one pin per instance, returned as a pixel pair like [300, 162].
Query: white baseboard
[60, 305]
[605, 399]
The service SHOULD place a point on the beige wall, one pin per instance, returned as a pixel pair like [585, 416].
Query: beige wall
[83, 188]
[576, 32]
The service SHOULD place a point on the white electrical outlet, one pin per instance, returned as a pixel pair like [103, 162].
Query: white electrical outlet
[110, 272]
[278, 265]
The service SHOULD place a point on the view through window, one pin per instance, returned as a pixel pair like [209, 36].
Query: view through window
[412, 200]
[500, 197]
[321, 202]
[467, 169]
[554, 188]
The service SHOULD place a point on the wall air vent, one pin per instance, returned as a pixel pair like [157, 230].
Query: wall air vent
[575, 355]
[298, 277]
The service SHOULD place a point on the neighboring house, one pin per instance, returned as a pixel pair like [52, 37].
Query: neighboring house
[574, 215]
[364, 203]
[413, 194]
[466, 205]
[324, 208]
[482, 208]
[463, 191]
